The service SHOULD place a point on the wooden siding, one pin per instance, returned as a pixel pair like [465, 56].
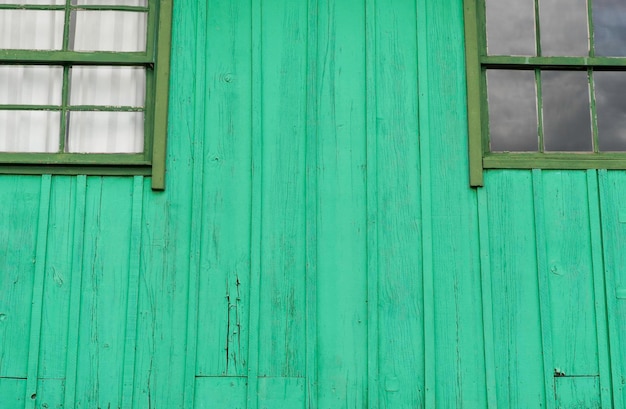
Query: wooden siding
[317, 244]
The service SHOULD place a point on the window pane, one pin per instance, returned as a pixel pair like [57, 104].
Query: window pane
[115, 86]
[564, 27]
[109, 31]
[610, 89]
[105, 132]
[29, 131]
[140, 3]
[566, 113]
[510, 27]
[609, 25]
[512, 110]
[30, 85]
[31, 29]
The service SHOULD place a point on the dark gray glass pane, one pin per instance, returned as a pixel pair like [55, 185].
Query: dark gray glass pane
[564, 27]
[609, 26]
[610, 89]
[510, 27]
[512, 111]
[566, 114]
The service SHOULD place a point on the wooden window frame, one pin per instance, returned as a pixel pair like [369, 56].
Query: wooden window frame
[156, 60]
[477, 62]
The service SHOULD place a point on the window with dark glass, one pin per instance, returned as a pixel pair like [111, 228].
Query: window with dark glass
[83, 86]
[546, 84]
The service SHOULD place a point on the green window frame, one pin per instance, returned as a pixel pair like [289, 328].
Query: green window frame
[156, 61]
[478, 62]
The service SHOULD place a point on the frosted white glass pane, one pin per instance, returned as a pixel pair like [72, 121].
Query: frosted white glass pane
[30, 85]
[46, 2]
[109, 31]
[140, 3]
[31, 29]
[29, 131]
[115, 86]
[105, 132]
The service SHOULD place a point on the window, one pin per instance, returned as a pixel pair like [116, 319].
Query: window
[84, 87]
[546, 83]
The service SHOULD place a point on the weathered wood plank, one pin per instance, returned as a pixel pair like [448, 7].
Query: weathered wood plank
[342, 227]
[220, 392]
[18, 238]
[283, 101]
[281, 393]
[225, 269]
[395, 210]
[519, 376]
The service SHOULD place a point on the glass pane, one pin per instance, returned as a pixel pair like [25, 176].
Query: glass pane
[31, 29]
[115, 86]
[105, 132]
[510, 27]
[610, 89]
[30, 85]
[609, 25]
[566, 113]
[564, 27]
[29, 131]
[140, 3]
[109, 31]
[512, 110]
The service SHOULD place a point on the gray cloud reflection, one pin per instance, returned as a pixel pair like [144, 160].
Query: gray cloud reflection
[512, 111]
[610, 90]
[609, 25]
[564, 27]
[566, 113]
[510, 27]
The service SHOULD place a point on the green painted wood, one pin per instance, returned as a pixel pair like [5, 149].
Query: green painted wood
[225, 269]
[282, 186]
[515, 291]
[317, 245]
[342, 214]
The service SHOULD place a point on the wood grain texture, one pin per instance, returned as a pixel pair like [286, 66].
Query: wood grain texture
[317, 244]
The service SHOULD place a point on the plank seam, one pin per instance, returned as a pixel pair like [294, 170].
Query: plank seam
[37, 297]
[256, 203]
[132, 302]
[71, 367]
[197, 207]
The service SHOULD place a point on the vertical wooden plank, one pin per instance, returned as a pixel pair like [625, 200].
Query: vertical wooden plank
[371, 137]
[487, 299]
[225, 268]
[56, 291]
[311, 207]
[426, 205]
[600, 302]
[544, 287]
[282, 189]
[458, 371]
[514, 306]
[394, 206]
[197, 205]
[76, 268]
[132, 299]
[18, 244]
[342, 213]
[613, 223]
[256, 202]
[104, 292]
[37, 298]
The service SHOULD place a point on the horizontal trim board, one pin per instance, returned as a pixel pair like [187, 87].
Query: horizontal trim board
[87, 159]
[76, 170]
[553, 62]
[556, 161]
[62, 7]
[52, 57]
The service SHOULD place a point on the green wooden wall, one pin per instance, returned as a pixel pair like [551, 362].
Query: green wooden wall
[317, 245]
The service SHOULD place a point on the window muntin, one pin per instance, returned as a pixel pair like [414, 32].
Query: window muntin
[546, 84]
[83, 97]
